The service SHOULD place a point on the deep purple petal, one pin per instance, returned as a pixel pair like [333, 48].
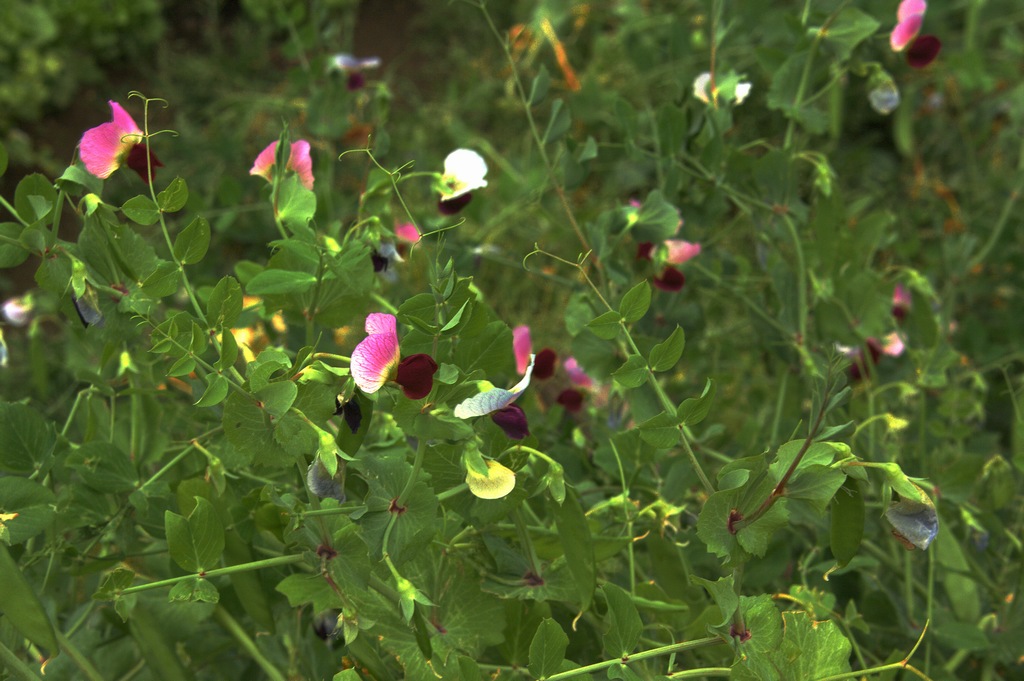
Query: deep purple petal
[544, 364]
[137, 161]
[923, 51]
[671, 279]
[571, 399]
[644, 250]
[453, 206]
[356, 81]
[416, 375]
[512, 420]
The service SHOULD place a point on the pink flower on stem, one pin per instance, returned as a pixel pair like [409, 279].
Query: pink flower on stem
[680, 251]
[576, 373]
[909, 18]
[377, 360]
[299, 162]
[521, 347]
[901, 302]
[408, 233]
[108, 146]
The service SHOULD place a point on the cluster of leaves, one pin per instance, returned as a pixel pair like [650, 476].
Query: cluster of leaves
[191, 486]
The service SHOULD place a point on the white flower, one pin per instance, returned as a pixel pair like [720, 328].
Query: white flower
[700, 87]
[17, 311]
[742, 90]
[346, 62]
[464, 171]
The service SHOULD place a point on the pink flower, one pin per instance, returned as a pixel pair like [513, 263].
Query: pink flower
[108, 146]
[576, 373]
[680, 251]
[299, 161]
[909, 18]
[376, 360]
[521, 347]
[901, 302]
[408, 233]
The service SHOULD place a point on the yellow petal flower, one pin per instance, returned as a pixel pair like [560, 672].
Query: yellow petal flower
[498, 482]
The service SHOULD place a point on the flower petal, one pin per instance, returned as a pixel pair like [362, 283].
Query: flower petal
[521, 347]
[322, 484]
[407, 232]
[671, 280]
[464, 171]
[910, 7]
[571, 399]
[916, 522]
[381, 322]
[492, 400]
[300, 161]
[512, 420]
[373, 361]
[700, 87]
[576, 373]
[544, 366]
[923, 51]
[453, 206]
[105, 147]
[416, 375]
[905, 31]
[680, 251]
[498, 482]
[264, 162]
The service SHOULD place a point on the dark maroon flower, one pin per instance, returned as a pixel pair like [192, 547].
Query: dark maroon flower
[644, 250]
[571, 399]
[454, 205]
[544, 364]
[380, 263]
[416, 375]
[858, 369]
[923, 51]
[137, 161]
[512, 420]
[350, 411]
[356, 81]
[671, 279]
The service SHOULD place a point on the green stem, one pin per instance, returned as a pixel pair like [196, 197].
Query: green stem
[448, 494]
[14, 213]
[801, 283]
[81, 661]
[168, 466]
[628, 520]
[701, 673]
[13, 664]
[248, 645]
[644, 655]
[231, 569]
[997, 231]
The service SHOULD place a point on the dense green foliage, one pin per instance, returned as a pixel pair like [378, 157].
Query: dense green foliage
[192, 485]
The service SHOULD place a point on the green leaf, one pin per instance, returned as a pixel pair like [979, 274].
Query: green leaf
[624, 624]
[558, 123]
[296, 205]
[34, 198]
[141, 210]
[174, 197]
[547, 650]
[588, 151]
[273, 282]
[539, 87]
[810, 649]
[31, 504]
[26, 439]
[723, 592]
[197, 542]
[194, 589]
[225, 303]
[661, 431]
[635, 303]
[665, 355]
[278, 397]
[216, 391]
[847, 529]
[574, 533]
[104, 467]
[11, 254]
[605, 326]
[21, 606]
[632, 373]
[191, 244]
[162, 281]
[301, 589]
[850, 28]
[657, 219]
[693, 410]
[228, 351]
[782, 94]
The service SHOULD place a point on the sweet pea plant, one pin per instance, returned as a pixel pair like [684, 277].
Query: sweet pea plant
[746, 431]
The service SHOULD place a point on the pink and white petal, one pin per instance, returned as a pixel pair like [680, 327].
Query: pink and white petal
[909, 7]
[576, 373]
[905, 32]
[382, 323]
[407, 232]
[373, 361]
[521, 346]
[302, 163]
[893, 345]
[680, 251]
[484, 403]
[264, 162]
[123, 121]
[525, 380]
[102, 149]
